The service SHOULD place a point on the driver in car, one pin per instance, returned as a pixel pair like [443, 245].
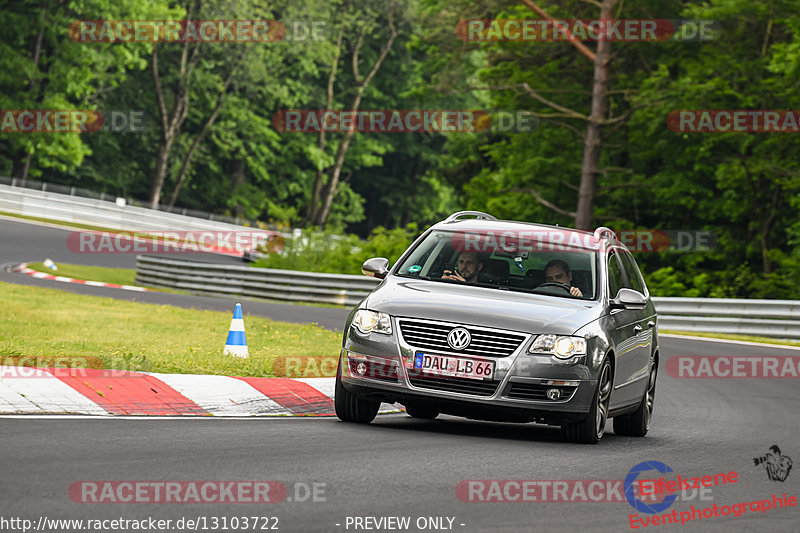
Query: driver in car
[469, 265]
[557, 271]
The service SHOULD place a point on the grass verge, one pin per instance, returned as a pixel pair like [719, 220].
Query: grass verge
[121, 276]
[732, 336]
[48, 327]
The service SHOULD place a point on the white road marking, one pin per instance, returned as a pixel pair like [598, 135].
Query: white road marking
[222, 395]
[31, 390]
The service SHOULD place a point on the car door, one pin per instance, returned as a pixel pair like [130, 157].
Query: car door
[626, 327]
[644, 326]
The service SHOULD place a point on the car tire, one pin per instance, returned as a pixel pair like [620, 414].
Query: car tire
[637, 423]
[416, 411]
[351, 408]
[590, 430]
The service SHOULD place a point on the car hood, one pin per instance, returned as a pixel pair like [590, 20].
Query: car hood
[479, 306]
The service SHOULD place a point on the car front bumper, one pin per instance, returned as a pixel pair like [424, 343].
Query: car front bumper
[380, 367]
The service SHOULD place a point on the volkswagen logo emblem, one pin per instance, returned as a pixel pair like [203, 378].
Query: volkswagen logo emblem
[459, 338]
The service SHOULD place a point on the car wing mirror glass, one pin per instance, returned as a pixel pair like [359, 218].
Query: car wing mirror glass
[377, 267]
[629, 299]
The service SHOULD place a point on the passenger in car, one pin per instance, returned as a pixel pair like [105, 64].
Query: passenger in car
[557, 271]
[468, 267]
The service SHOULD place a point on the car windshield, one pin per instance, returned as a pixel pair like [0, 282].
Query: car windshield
[551, 261]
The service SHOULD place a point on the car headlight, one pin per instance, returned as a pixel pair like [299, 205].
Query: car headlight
[560, 346]
[366, 321]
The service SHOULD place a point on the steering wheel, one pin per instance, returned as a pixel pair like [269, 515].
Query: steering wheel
[555, 284]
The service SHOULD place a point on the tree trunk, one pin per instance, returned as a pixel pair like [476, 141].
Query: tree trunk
[238, 181]
[766, 263]
[319, 180]
[584, 214]
[160, 173]
[172, 120]
[187, 160]
[330, 189]
[21, 166]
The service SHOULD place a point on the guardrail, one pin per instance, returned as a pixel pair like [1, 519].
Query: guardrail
[767, 318]
[272, 284]
[79, 192]
[108, 214]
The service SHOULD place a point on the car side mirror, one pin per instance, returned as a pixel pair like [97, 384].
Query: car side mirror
[629, 299]
[377, 267]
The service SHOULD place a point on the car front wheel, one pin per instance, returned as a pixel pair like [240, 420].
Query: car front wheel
[637, 423]
[590, 430]
[351, 408]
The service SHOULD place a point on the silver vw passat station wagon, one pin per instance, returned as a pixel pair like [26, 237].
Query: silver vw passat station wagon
[505, 321]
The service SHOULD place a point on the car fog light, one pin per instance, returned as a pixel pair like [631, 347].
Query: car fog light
[361, 368]
[553, 394]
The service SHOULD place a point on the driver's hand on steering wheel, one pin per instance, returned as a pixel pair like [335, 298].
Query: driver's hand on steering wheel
[575, 291]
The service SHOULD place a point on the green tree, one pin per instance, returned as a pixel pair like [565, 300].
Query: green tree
[46, 69]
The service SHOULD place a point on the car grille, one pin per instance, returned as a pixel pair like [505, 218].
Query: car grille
[464, 386]
[532, 391]
[485, 343]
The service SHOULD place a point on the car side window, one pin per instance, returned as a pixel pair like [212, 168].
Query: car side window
[615, 278]
[634, 278]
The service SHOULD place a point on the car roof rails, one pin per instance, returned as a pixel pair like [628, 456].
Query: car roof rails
[479, 215]
[604, 232]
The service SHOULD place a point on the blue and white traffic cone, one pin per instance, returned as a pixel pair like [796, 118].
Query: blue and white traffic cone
[236, 343]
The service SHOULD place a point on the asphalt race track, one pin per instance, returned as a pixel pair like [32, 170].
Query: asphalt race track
[23, 242]
[400, 466]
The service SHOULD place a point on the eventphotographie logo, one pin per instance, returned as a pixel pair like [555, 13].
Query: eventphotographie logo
[777, 465]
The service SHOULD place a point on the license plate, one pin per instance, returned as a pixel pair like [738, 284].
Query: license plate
[457, 367]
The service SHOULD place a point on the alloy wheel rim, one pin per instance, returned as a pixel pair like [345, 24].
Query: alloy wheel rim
[603, 395]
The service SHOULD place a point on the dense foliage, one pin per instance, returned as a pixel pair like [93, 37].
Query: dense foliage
[327, 251]
[227, 156]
